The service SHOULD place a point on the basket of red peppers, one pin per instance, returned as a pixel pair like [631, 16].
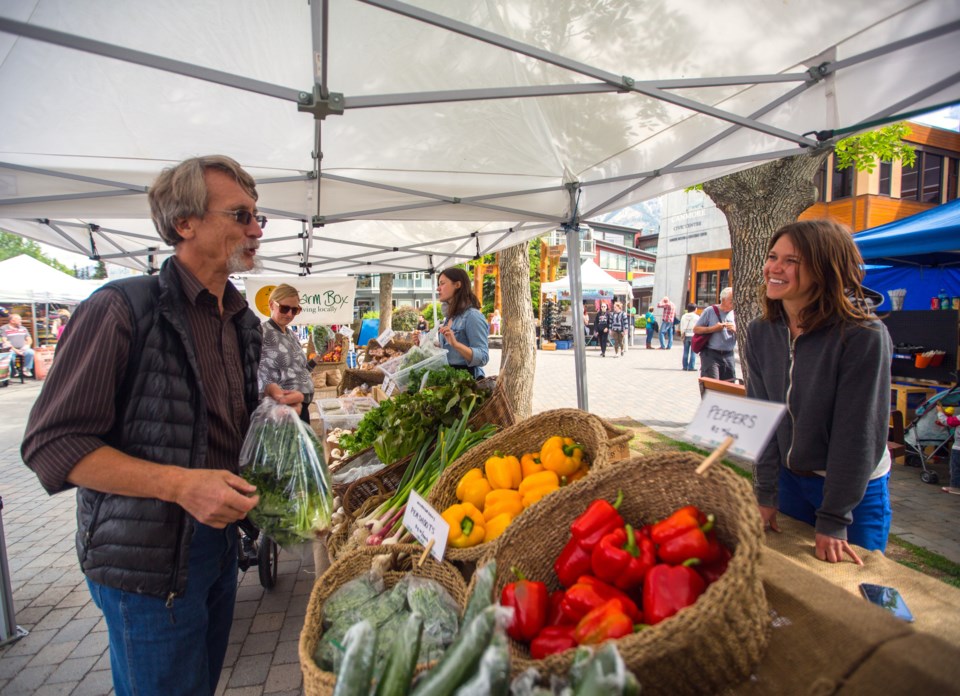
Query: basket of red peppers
[651, 555]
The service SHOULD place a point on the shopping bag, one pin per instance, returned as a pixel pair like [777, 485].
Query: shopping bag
[701, 341]
[282, 457]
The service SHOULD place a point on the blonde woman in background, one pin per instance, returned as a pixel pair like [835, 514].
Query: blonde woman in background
[282, 360]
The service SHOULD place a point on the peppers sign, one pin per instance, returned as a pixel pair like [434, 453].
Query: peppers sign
[325, 299]
[750, 422]
[425, 523]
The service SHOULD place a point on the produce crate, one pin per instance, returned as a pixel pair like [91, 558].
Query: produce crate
[354, 377]
[590, 431]
[317, 682]
[704, 648]
[563, 345]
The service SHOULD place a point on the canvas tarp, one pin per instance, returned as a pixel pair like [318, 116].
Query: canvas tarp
[23, 279]
[454, 129]
[592, 277]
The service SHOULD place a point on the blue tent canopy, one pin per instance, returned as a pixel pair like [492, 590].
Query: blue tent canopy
[920, 254]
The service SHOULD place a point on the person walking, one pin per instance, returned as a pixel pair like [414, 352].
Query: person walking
[687, 322]
[667, 328]
[819, 349]
[650, 321]
[144, 411]
[601, 326]
[717, 359]
[618, 328]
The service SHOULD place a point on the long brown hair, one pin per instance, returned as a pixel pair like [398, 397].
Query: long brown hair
[831, 259]
[463, 298]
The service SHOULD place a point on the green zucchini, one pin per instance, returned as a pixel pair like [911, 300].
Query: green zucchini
[461, 658]
[606, 673]
[493, 674]
[482, 595]
[403, 659]
[353, 678]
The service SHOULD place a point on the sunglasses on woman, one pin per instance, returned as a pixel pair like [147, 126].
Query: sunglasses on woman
[284, 309]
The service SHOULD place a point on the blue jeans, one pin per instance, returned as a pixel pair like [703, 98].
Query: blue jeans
[955, 466]
[689, 357]
[666, 335]
[800, 497]
[180, 650]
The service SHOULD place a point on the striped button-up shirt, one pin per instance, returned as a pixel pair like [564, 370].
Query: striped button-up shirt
[77, 407]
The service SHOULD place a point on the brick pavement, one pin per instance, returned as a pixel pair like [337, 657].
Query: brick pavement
[66, 649]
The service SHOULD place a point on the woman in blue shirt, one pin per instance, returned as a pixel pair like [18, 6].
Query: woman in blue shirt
[464, 332]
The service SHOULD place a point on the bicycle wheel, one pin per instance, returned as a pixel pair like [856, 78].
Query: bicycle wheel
[267, 561]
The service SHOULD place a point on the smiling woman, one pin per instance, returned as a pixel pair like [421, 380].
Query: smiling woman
[282, 360]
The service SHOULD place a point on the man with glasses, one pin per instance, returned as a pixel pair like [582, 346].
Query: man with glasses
[282, 361]
[144, 412]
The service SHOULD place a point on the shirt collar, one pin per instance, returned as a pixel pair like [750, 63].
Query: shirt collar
[233, 301]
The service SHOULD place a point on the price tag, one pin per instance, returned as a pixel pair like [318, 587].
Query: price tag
[425, 524]
[385, 337]
[750, 422]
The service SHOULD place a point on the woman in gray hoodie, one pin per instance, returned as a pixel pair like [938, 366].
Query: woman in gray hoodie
[819, 349]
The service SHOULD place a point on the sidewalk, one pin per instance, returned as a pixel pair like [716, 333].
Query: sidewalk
[66, 650]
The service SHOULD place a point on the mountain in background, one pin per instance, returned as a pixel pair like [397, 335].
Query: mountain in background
[645, 216]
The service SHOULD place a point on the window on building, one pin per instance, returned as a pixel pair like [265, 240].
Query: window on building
[820, 181]
[708, 292]
[724, 280]
[886, 169]
[909, 178]
[932, 177]
[953, 177]
[842, 183]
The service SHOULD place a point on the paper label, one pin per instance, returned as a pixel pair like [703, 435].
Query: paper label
[385, 337]
[750, 422]
[425, 524]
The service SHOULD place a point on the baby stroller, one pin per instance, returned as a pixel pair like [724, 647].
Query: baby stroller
[256, 549]
[925, 432]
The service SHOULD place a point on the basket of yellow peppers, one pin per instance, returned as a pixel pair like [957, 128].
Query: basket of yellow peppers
[481, 493]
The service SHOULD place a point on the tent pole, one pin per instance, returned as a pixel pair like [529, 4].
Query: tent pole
[576, 299]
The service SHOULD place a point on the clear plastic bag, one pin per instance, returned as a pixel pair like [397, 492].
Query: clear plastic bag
[282, 457]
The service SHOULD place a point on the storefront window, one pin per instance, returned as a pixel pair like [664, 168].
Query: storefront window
[707, 290]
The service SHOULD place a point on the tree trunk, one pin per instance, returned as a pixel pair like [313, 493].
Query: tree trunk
[519, 337]
[757, 202]
[386, 301]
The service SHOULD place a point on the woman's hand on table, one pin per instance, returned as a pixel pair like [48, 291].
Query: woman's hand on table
[832, 550]
[769, 517]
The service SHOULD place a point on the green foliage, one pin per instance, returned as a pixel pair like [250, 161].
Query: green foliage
[884, 144]
[427, 313]
[405, 318]
[101, 271]
[14, 245]
[372, 314]
[533, 253]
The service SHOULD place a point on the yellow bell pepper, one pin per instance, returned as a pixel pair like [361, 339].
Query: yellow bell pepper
[473, 488]
[503, 471]
[530, 464]
[535, 487]
[575, 476]
[466, 525]
[502, 500]
[496, 526]
[561, 455]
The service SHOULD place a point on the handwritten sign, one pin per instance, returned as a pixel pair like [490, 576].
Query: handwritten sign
[750, 422]
[425, 524]
[385, 337]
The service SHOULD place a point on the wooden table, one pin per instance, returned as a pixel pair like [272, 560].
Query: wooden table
[903, 391]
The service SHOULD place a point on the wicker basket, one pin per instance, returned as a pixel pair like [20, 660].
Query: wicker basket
[703, 649]
[354, 377]
[319, 373]
[317, 682]
[339, 543]
[496, 410]
[530, 434]
[384, 482]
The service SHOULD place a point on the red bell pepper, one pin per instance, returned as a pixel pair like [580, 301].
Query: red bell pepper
[712, 571]
[529, 600]
[606, 622]
[555, 616]
[683, 535]
[572, 562]
[551, 640]
[668, 589]
[599, 519]
[623, 557]
[588, 593]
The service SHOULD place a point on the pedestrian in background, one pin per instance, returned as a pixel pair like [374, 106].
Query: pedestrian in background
[687, 322]
[666, 323]
[650, 321]
[618, 328]
[601, 326]
[717, 360]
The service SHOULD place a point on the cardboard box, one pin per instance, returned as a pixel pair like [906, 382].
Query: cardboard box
[546, 345]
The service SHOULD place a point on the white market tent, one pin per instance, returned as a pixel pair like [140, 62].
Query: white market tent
[592, 277]
[388, 136]
[23, 279]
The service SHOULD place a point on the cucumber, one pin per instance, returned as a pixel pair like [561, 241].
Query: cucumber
[357, 665]
[461, 658]
[403, 659]
[606, 673]
[493, 674]
[482, 595]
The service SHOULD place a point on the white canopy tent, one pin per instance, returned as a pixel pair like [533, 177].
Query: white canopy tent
[389, 136]
[592, 277]
[23, 279]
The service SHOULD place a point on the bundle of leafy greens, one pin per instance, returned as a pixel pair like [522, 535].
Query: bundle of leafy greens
[401, 425]
[283, 458]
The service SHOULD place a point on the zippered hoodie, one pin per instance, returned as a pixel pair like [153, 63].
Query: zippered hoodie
[836, 384]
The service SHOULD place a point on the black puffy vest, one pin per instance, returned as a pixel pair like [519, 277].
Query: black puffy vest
[142, 545]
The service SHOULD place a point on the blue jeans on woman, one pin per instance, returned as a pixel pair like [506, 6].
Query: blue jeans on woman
[801, 496]
[177, 650]
[689, 357]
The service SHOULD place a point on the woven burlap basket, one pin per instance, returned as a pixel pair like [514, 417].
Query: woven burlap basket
[526, 436]
[704, 648]
[317, 682]
[341, 541]
[496, 409]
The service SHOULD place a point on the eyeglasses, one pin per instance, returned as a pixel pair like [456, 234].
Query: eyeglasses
[284, 309]
[244, 217]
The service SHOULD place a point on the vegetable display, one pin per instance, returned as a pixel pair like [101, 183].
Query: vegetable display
[282, 457]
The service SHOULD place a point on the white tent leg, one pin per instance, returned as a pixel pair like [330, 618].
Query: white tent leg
[576, 299]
